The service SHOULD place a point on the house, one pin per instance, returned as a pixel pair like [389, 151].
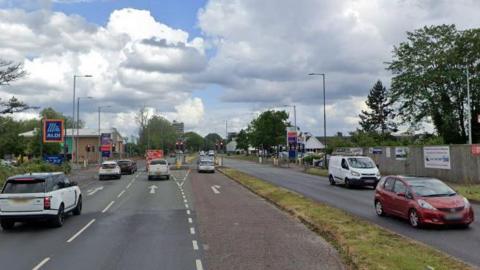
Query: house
[312, 144]
[232, 146]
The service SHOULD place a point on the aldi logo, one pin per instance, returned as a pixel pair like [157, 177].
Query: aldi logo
[53, 130]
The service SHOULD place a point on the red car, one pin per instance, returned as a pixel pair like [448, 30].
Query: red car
[422, 201]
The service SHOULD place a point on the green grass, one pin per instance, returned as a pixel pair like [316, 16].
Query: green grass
[317, 171]
[470, 191]
[244, 157]
[363, 245]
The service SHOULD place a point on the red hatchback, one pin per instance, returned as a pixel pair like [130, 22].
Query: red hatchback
[422, 201]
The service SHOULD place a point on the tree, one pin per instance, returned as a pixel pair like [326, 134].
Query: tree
[242, 140]
[268, 129]
[378, 117]
[211, 140]
[50, 113]
[10, 72]
[160, 134]
[429, 82]
[193, 141]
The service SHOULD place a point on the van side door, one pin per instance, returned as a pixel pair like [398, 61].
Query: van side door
[343, 169]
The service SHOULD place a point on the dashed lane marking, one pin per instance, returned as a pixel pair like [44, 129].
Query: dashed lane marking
[195, 245]
[108, 206]
[188, 212]
[186, 205]
[121, 193]
[199, 264]
[192, 230]
[44, 261]
[81, 230]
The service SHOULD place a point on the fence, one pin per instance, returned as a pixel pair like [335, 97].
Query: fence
[454, 163]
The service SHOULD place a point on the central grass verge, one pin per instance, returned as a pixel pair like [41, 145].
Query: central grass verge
[363, 245]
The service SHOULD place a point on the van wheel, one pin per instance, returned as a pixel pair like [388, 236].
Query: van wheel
[332, 181]
[59, 218]
[7, 224]
[347, 183]
[78, 209]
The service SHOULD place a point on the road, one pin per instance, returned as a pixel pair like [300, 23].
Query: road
[194, 221]
[464, 244]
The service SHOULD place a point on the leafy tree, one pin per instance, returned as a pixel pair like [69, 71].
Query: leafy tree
[211, 140]
[242, 140]
[194, 141]
[10, 72]
[159, 133]
[379, 114]
[50, 113]
[268, 129]
[429, 82]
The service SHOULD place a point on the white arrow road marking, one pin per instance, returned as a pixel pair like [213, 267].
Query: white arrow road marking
[152, 189]
[216, 189]
[90, 192]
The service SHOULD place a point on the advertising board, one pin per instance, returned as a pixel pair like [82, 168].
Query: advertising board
[53, 130]
[437, 157]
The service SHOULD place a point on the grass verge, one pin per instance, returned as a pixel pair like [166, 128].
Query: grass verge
[363, 245]
[317, 171]
[243, 157]
[470, 191]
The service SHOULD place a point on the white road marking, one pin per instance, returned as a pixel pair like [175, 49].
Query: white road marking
[152, 189]
[121, 193]
[44, 261]
[192, 230]
[186, 205]
[185, 201]
[129, 184]
[188, 212]
[215, 189]
[190, 220]
[199, 264]
[81, 230]
[90, 192]
[108, 206]
[195, 245]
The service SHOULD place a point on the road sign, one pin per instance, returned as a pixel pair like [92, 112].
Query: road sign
[53, 130]
[106, 138]
[105, 153]
[54, 159]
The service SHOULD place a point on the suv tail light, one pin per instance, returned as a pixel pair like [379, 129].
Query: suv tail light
[47, 203]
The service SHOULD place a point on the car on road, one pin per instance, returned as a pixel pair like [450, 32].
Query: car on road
[158, 168]
[422, 201]
[127, 166]
[109, 170]
[38, 196]
[206, 166]
[353, 171]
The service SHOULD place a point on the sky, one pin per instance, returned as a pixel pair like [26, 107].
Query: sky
[211, 62]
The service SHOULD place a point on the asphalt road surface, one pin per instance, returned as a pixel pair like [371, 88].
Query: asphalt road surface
[125, 224]
[461, 243]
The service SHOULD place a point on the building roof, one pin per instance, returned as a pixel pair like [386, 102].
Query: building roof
[83, 132]
[313, 143]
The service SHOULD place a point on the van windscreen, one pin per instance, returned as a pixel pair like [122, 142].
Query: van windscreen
[361, 163]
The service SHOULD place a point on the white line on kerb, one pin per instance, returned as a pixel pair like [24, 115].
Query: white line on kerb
[192, 230]
[108, 206]
[199, 264]
[190, 220]
[121, 193]
[195, 245]
[44, 261]
[81, 230]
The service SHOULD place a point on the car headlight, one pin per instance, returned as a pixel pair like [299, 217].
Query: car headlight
[426, 205]
[467, 203]
[354, 173]
[378, 175]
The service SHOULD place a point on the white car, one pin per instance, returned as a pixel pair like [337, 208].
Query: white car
[158, 168]
[38, 196]
[206, 166]
[353, 171]
[109, 169]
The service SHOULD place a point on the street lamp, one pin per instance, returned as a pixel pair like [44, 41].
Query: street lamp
[324, 116]
[99, 134]
[78, 125]
[73, 108]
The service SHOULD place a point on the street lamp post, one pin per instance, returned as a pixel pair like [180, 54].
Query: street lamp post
[469, 109]
[324, 116]
[73, 111]
[78, 125]
[99, 134]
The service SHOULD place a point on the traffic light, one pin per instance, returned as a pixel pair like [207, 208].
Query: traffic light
[87, 148]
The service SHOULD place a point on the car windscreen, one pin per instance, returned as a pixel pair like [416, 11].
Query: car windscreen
[24, 186]
[124, 162]
[158, 162]
[361, 163]
[430, 188]
[108, 166]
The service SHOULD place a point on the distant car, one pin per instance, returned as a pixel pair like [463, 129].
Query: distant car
[127, 166]
[422, 201]
[39, 196]
[353, 171]
[158, 168]
[206, 166]
[109, 169]
[211, 153]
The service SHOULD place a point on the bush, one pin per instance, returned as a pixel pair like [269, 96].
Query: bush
[32, 166]
[309, 159]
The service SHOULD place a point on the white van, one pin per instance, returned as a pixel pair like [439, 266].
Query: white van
[353, 171]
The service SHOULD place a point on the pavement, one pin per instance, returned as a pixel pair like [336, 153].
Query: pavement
[460, 243]
[240, 230]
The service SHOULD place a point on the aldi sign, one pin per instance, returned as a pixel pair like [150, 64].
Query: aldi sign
[53, 130]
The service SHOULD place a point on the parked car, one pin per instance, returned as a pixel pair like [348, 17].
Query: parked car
[127, 166]
[39, 196]
[158, 168]
[206, 166]
[109, 169]
[422, 201]
[353, 171]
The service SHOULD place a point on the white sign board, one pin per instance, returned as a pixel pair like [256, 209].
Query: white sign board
[401, 153]
[436, 157]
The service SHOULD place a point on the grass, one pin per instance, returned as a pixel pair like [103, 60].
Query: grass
[470, 191]
[317, 171]
[363, 245]
[244, 157]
